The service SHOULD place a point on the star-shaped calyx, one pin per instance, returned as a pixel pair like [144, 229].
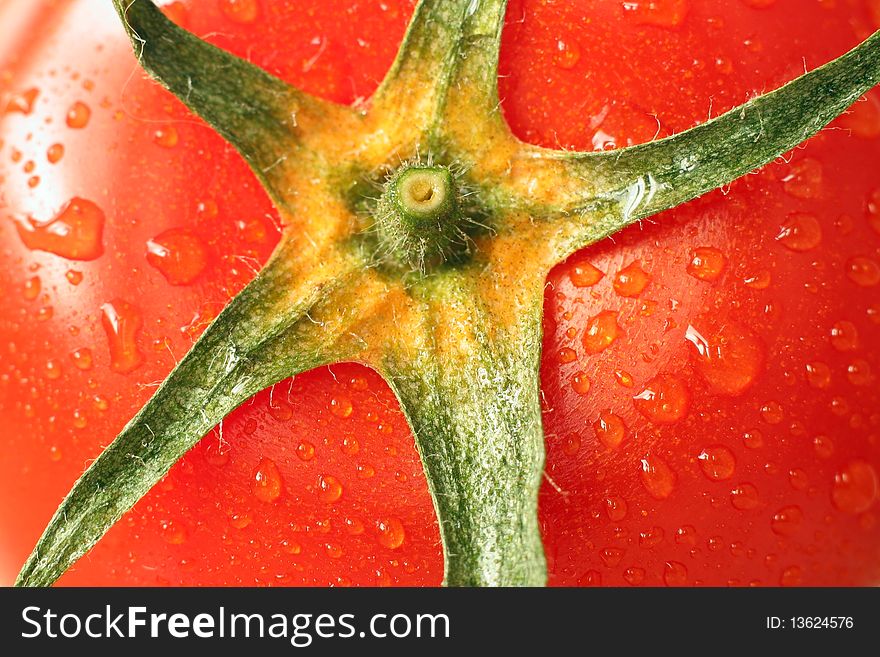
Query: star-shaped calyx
[418, 232]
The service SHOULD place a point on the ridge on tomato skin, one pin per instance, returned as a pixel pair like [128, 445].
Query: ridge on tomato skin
[639, 424]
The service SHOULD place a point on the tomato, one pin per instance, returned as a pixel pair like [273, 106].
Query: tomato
[711, 408]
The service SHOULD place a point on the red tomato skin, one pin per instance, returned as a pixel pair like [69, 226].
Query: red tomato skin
[767, 478]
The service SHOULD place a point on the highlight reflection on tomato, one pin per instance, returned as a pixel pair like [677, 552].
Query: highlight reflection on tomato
[709, 377]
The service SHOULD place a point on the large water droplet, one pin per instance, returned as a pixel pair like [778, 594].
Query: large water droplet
[844, 336]
[305, 451]
[631, 280]
[580, 383]
[391, 533]
[818, 375]
[863, 271]
[707, 263]
[729, 359]
[330, 490]
[610, 429]
[121, 322]
[267, 481]
[800, 232]
[717, 462]
[22, 103]
[76, 232]
[855, 488]
[78, 115]
[660, 13]
[805, 179]
[178, 254]
[787, 521]
[675, 574]
[657, 477]
[745, 497]
[601, 330]
[664, 400]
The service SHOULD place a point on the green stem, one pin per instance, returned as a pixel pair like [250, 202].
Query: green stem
[472, 400]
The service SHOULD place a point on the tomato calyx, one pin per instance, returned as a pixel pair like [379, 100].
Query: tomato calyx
[437, 283]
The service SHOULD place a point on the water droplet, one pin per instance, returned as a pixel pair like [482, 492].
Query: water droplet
[624, 378]
[179, 255]
[805, 179]
[22, 103]
[651, 537]
[675, 574]
[729, 359]
[611, 557]
[354, 526]
[568, 53]
[717, 462]
[787, 521]
[166, 137]
[82, 358]
[753, 439]
[78, 115]
[791, 576]
[844, 336]
[305, 451]
[54, 153]
[53, 369]
[601, 330]
[631, 280]
[571, 444]
[566, 355]
[240, 11]
[267, 481]
[616, 508]
[341, 406]
[855, 488]
[664, 400]
[610, 429]
[660, 13]
[350, 446]
[75, 233]
[657, 477]
[584, 274]
[772, 412]
[800, 232]
[873, 210]
[745, 497]
[32, 288]
[240, 520]
[365, 471]
[333, 551]
[580, 383]
[818, 375]
[390, 533]
[859, 372]
[55, 454]
[591, 578]
[707, 263]
[759, 281]
[798, 479]
[73, 276]
[172, 533]
[291, 547]
[121, 322]
[863, 271]
[330, 489]
[634, 576]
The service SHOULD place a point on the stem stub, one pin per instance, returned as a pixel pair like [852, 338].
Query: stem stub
[418, 218]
